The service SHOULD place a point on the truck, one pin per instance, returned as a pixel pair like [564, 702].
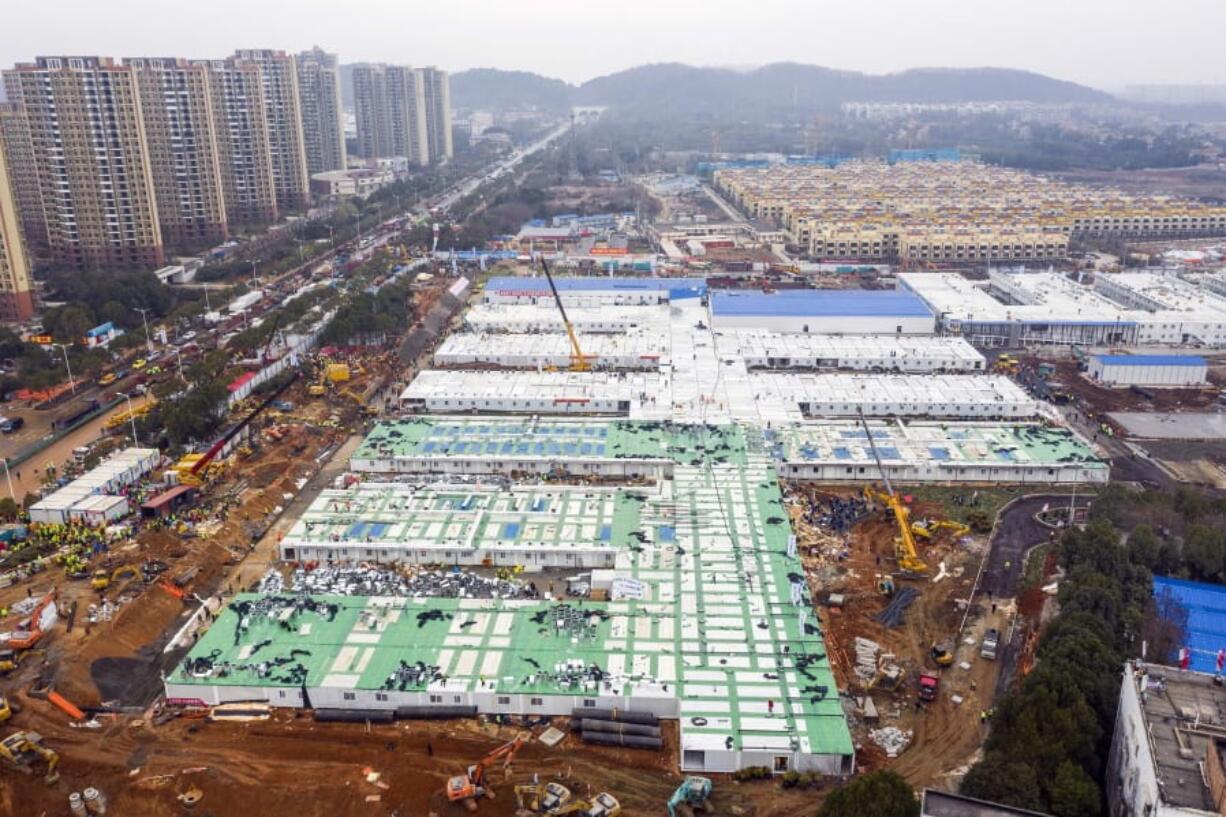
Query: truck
[928, 684]
[987, 649]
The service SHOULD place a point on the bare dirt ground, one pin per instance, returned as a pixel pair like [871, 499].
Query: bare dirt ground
[946, 734]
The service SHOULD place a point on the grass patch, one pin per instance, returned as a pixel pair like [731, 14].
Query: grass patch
[1032, 575]
[990, 499]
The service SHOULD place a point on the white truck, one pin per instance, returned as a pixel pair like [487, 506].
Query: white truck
[987, 649]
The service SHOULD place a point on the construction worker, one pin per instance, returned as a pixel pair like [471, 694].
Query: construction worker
[770, 707]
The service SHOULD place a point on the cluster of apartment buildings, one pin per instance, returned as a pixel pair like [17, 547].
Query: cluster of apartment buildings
[950, 211]
[111, 163]
[402, 111]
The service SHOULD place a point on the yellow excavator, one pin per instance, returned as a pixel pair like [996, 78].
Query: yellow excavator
[602, 805]
[102, 579]
[22, 749]
[7, 709]
[540, 798]
[904, 544]
[926, 530]
[578, 361]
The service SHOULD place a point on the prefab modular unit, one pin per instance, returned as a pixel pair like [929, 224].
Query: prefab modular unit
[1149, 370]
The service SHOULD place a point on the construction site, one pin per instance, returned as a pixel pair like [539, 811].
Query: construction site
[490, 571]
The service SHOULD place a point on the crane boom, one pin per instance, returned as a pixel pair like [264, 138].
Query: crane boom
[578, 361]
[908, 555]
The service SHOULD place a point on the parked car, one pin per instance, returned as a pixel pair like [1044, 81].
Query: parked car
[12, 424]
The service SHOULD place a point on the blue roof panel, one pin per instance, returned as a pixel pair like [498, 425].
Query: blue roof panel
[1206, 606]
[1150, 360]
[593, 284]
[820, 303]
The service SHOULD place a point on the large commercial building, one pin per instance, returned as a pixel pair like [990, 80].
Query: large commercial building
[177, 108]
[402, 111]
[319, 93]
[16, 298]
[283, 118]
[244, 155]
[1126, 309]
[91, 157]
[950, 212]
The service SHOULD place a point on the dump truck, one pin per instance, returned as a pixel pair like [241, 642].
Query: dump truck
[928, 684]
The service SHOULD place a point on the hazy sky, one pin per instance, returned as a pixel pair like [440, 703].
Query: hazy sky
[1105, 43]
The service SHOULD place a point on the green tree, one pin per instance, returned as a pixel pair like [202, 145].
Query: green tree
[9, 509]
[1144, 546]
[876, 794]
[1074, 793]
[999, 780]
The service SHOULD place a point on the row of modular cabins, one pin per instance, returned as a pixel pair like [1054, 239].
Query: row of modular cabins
[93, 498]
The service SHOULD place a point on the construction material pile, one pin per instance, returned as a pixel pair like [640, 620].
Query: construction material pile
[894, 612]
[892, 739]
[866, 658]
[382, 581]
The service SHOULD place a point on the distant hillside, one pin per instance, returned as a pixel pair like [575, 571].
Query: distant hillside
[491, 88]
[789, 86]
[683, 89]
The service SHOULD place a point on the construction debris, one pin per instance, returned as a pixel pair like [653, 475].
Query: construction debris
[382, 581]
[892, 739]
[867, 651]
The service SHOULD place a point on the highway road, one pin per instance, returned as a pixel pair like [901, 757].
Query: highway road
[468, 186]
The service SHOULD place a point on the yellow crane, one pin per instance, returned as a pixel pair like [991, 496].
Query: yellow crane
[578, 361]
[904, 544]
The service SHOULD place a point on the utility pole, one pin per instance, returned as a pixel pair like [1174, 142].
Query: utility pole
[131, 417]
[63, 348]
[145, 321]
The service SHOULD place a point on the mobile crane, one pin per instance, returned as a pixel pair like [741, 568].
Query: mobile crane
[904, 544]
[468, 788]
[578, 361]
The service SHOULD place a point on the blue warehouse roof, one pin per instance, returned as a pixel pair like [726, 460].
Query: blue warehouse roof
[1150, 360]
[820, 302]
[540, 284]
[1206, 606]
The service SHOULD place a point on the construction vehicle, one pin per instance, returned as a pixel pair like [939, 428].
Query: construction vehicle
[926, 530]
[538, 798]
[10, 660]
[942, 655]
[1006, 364]
[690, 796]
[470, 787]
[885, 584]
[578, 362]
[991, 640]
[31, 630]
[928, 685]
[103, 579]
[904, 544]
[602, 805]
[7, 709]
[23, 749]
[337, 372]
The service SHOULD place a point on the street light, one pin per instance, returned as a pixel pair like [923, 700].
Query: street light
[255, 275]
[7, 474]
[145, 321]
[71, 385]
[179, 360]
[131, 416]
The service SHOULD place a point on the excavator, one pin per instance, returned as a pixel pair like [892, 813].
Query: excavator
[544, 798]
[31, 630]
[578, 361]
[103, 579]
[904, 544]
[602, 805]
[22, 749]
[926, 530]
[7, 709]
[690, 796]
[469, 788]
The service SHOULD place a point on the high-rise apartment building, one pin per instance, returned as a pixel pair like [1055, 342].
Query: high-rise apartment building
[392, 106]
[244, 158]
[370, 109]
[87, 137]
[283, 118]
[23, 175]
[406, 100]
[319, 93]
[180, 132]
[438, 112]
[16, 299]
